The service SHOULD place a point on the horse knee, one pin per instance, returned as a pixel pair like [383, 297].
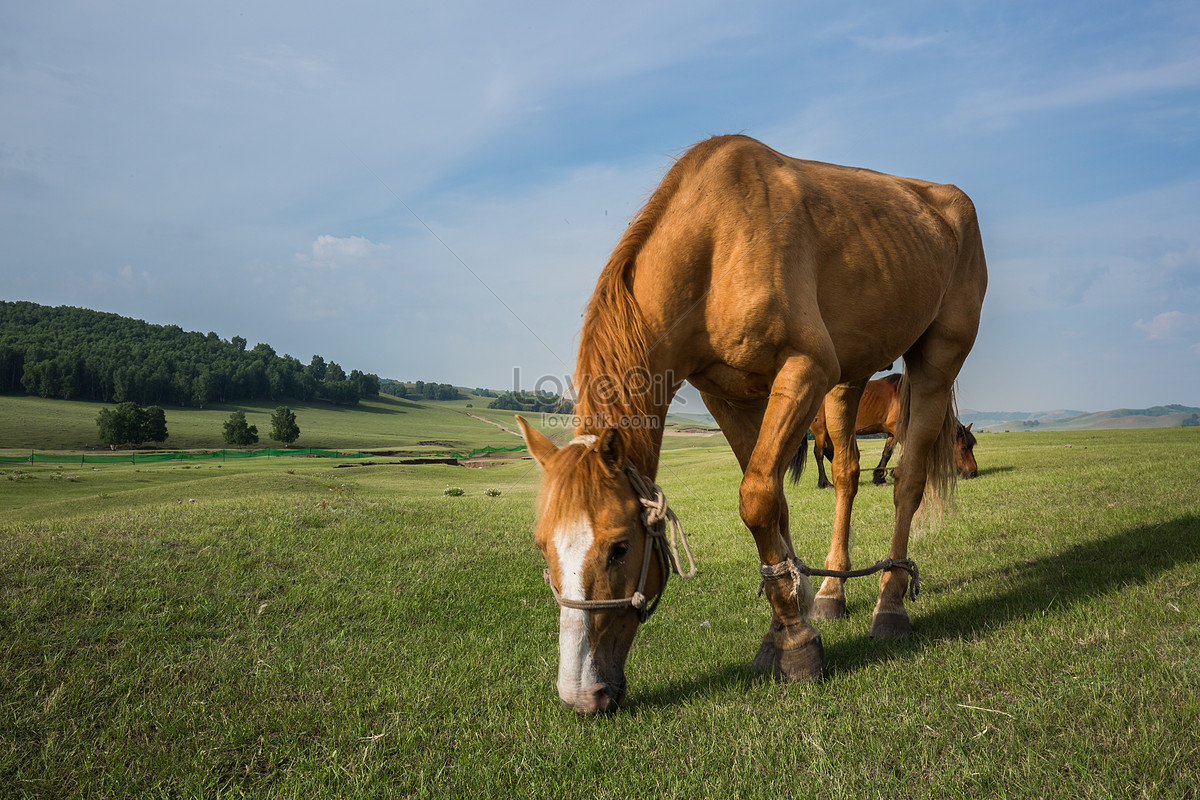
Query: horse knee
[760, 504]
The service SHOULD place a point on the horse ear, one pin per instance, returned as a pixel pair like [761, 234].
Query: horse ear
[612, 449]
[538, 443]
[969, 426]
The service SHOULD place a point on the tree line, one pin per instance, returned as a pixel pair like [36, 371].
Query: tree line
[543, 402]
[420, 390]
[79, 354]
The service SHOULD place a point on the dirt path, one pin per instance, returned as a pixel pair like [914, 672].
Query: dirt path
[492, 422]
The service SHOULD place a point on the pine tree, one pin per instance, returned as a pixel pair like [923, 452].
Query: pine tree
[283, 426]
[237, 432]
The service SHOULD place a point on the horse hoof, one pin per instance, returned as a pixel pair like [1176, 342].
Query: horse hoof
[767, 658]
[890, 625]
[828, 608]
[804, 663]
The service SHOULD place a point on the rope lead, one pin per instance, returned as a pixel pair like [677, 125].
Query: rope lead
[795, 567]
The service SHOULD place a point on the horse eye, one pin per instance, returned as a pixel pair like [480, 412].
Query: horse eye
[618, 552]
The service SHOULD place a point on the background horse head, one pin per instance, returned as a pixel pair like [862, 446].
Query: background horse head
[964, 452]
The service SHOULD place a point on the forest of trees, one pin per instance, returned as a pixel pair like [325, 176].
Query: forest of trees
[74, 353]
[420, 390]
[543, 402]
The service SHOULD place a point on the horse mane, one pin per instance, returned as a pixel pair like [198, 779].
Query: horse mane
[613, 384]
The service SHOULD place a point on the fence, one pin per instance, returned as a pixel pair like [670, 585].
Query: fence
[148, 458]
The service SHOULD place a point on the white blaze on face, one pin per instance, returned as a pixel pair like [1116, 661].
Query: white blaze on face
[576, 671]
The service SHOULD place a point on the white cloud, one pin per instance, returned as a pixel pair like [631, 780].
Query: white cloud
[345, 254]
[1167, 325]
[1048, 90]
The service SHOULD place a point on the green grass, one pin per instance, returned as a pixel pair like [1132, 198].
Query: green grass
[280, 629]
[379, 423]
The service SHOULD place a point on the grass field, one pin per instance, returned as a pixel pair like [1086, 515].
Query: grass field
[295, 629]
[379, 423]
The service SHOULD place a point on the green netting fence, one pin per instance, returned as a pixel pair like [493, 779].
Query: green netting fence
[148, 458]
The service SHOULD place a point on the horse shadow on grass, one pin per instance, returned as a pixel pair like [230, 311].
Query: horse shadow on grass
[985, 471]
[1075, 575]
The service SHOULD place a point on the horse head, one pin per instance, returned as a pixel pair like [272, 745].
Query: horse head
[964, 452]
[598, 554]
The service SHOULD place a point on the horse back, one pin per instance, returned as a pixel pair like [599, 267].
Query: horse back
[744, 254]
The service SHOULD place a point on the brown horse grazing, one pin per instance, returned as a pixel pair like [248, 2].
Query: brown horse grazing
[879, 412]
[769, 283]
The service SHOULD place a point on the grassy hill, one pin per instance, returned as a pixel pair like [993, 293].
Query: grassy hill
[381, 423]
[1169, 416]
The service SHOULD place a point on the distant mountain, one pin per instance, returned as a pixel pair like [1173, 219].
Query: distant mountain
[1169, 416]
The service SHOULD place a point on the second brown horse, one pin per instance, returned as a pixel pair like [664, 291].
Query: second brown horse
[879, 412]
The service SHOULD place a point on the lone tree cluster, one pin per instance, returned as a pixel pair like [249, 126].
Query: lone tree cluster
[130, 424]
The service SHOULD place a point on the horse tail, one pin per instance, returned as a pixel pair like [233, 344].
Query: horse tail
[941, 476]
[795, 467]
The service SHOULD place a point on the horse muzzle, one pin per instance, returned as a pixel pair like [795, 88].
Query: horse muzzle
[599, 698]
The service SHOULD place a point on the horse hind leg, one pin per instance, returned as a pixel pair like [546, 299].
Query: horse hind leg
[879, 476]
[841, 410]
[821, 451]
[822, 448]
[926, 474]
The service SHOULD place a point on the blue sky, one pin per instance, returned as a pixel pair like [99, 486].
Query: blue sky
[428, 191]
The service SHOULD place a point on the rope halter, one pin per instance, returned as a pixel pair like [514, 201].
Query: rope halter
[665, 534]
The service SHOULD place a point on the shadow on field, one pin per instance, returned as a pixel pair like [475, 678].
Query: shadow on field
[1077, 574]
[361, 409]
[1062, 579]
[703, 685]
[984, 471]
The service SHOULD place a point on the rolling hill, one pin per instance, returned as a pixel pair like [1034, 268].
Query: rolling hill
[1169, 416]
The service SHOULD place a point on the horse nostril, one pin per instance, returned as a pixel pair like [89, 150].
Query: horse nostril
[601, 700]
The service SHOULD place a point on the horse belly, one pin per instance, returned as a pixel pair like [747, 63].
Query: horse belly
[731, 383]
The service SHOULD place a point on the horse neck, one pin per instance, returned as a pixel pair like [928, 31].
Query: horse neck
[639, 416]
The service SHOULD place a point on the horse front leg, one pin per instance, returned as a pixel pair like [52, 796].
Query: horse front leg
[792, 647]
[741, 424]
[841, 410]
